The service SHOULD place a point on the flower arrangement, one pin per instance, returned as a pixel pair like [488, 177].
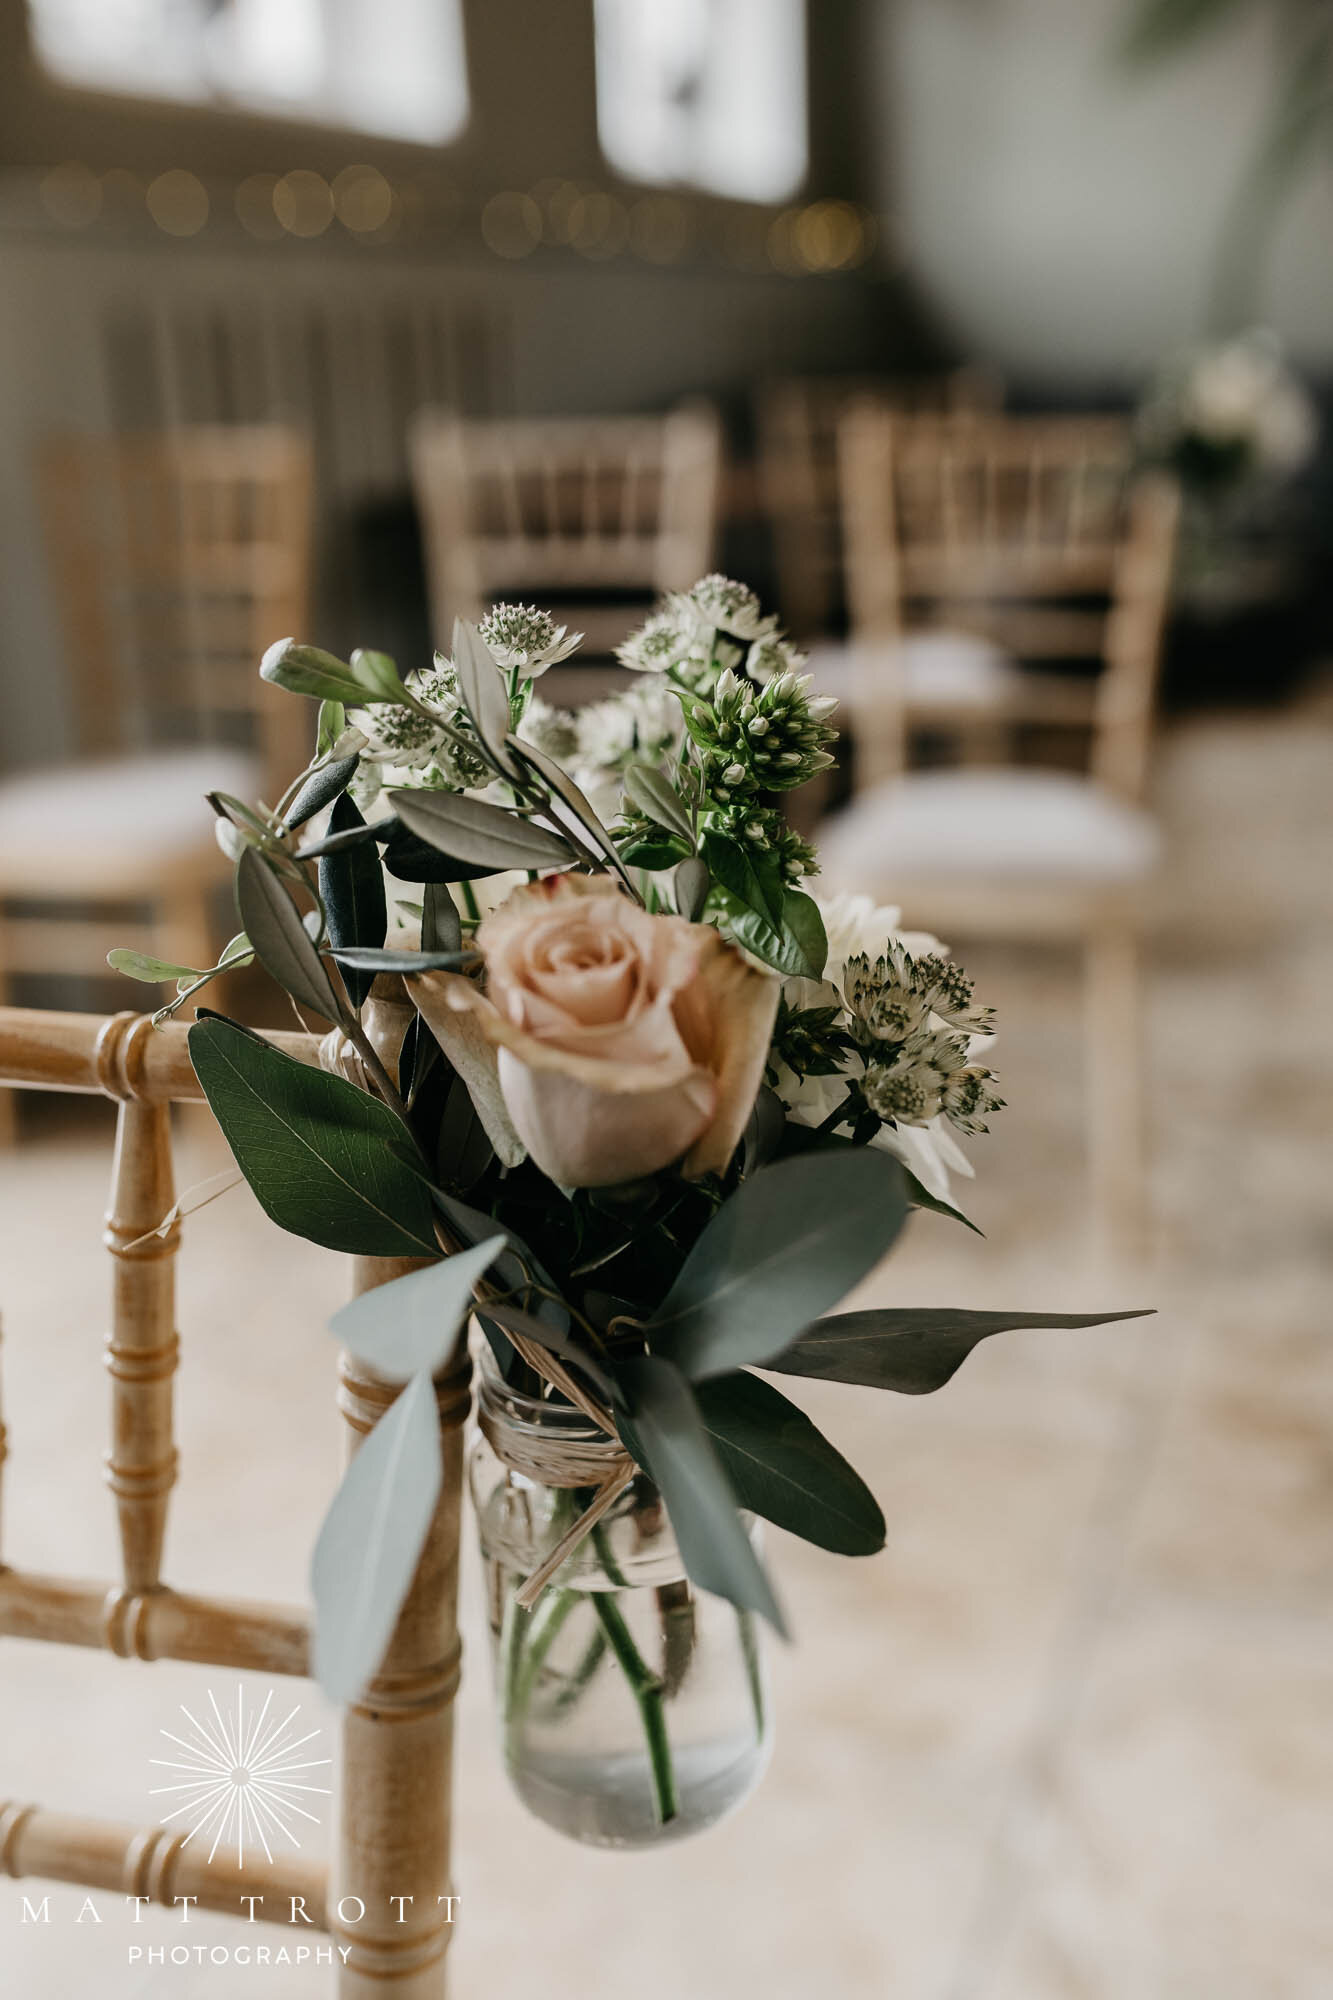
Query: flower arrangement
[1231, 417]
[651, 1111]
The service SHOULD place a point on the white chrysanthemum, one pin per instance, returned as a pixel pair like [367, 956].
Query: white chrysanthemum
[552, 730]
[642, 722]
[519, 635]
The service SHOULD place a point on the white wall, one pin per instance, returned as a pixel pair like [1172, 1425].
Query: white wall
[1063, 217]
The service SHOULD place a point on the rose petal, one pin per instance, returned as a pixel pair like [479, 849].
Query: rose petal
[582, 1136]
[743, 1004]
[460, 1035]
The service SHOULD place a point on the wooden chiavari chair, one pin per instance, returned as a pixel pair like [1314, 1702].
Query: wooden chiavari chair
[797, 423]
[618, 507]
[178, 558]
[397, 1741]
[1001, 523]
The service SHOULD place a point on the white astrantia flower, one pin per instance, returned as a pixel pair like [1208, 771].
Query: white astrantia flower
[519, 635]
[947, 1089]
[720, 603]
[641, 724]
[423, 749]
[774, 655]
[555, 731]
[661, 642]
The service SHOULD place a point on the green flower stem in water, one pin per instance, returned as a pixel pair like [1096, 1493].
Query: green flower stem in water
[541, 1628]
[576, 1685]
[753, 1669]
[646, 1689]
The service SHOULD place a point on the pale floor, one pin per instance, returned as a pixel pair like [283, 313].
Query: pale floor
[1071, 1738]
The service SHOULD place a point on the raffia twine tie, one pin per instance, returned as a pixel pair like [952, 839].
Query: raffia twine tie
[556, 1461]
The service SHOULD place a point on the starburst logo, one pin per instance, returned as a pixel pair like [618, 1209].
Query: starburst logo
[243, 1777]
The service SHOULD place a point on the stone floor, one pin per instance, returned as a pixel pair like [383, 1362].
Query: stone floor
[1070, 1738]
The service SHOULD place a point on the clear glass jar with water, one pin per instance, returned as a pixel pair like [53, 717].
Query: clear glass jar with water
[633, 1708]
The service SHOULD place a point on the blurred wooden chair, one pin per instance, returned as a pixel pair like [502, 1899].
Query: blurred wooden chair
[621, 508]
[1005, 523]
[797, 421]
[176, 559]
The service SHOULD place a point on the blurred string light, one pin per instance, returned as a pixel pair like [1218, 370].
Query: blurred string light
[804, 240]
[178, 202]
[71, 195]
[303, 203]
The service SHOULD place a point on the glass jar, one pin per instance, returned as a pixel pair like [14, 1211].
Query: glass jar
[633, 1708]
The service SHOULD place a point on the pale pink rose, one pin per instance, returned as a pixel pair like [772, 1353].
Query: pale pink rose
[625, 1041]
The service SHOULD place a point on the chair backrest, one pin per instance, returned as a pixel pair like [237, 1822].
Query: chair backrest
[1034, 532]
[622, 506]
[178, 558]
[797, 437]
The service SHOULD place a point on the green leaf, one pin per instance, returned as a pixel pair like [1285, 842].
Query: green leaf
[665, 1433]
[329, 727]
[1159, 28]
[351, 888]
[690, 885]
[657, 798]
[469, 830]
[413, 1324]
[921, 1197]
[378, 678]
[485, 696]
[310, 670]
[412, 860]
[154, 971]
[911, 1349]
[780, 1466]
[787, 1245]
[441, 925]
[558, 1341]
[781, 926]
[282, 944]
[654, 855]
[321, 788]
[463, 1150]
[326, 1160]
[371, 1541]
[474, 1227]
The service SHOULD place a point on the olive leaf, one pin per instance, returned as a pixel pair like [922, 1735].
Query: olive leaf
[909, 1348]
[351, 888]
[485, 697]
[310, 670]
[154, 971]
[470, 830]
[281, 942]
[331, 722]
[568, 795]
[378, 677]
[788, 1244]
[657, 799]
[321, 788]
[371, 1541]
[368, 959]
[441, 925]
[690, 885]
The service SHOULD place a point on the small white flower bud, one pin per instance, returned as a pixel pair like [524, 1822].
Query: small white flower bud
[734, 774]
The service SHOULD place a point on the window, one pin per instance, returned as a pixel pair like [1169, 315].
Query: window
[705, 92]
[393, 68]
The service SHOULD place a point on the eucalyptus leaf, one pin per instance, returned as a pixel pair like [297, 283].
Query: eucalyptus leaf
[470, 830]
[921, 1197]
[371, 1541]
[663, 1429]
[690, 885]
[310, 670]
[779, 1465]
[153, 971]
[414, 1324]
[326, 1160]
[787, 1245]
[321, 788]
[485, 696]
[351, 888]
[909, 1348]
[281, 942]
[441, 925]
[657, 798]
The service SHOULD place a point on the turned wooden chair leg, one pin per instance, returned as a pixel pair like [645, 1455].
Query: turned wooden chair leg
[1114, 1057]
[397, 1761]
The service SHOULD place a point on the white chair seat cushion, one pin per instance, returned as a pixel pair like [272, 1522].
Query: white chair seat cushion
[122, 819]
[1029, 825]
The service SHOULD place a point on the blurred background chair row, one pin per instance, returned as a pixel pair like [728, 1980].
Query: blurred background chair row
[1006, 581]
